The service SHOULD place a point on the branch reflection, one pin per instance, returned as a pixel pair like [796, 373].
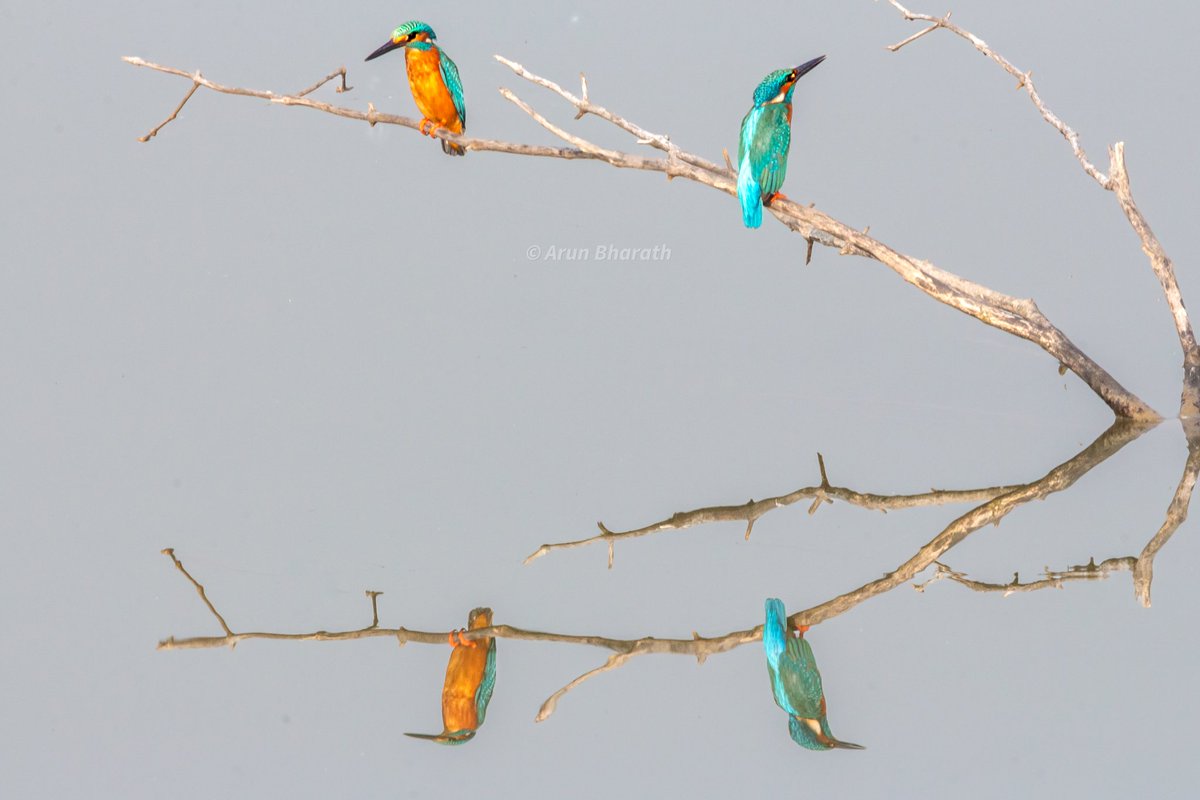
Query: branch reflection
[997, 502]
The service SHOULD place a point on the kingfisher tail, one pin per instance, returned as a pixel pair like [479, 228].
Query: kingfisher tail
[749, 195]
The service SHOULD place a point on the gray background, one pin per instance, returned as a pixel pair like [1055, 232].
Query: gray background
[314, 358]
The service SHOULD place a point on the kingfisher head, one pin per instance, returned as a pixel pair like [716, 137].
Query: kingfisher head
[777, 87]
[408, 33]
[814, 734]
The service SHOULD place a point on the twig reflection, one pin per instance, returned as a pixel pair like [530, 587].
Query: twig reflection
[700, 647]
[1142, 565]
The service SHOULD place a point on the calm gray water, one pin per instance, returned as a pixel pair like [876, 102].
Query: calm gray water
[315, 359]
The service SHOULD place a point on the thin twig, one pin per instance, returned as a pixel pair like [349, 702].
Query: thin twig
[1116, 181]
[1024, 81]
[614, 661]
[940, 23]
[374, 607]
[340, 88]
[170, 552]
[196, 85]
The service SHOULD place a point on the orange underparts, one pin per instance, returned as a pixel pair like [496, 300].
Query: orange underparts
[433, 99]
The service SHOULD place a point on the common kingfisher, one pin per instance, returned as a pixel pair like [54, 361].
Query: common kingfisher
[470, 678]
[433, 79]
[764, 141]
[796, 682]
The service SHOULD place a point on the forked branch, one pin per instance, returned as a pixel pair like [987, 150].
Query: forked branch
[1020, 317]
[1117, 181]
[700, 647]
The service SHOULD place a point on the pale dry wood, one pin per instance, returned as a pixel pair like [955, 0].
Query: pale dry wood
[700, 647]
[1117, 181]
[1164, 270]
[1090, 571]
[340, 72]
[1020, 317]
[1177, 511]
[1140, 566]
[750, 511]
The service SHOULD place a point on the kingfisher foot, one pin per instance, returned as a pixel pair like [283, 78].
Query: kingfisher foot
[432, 126]
[461, 640]
[774, 197]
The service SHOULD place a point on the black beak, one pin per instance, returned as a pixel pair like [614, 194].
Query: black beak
[390, 45]
[800, 70]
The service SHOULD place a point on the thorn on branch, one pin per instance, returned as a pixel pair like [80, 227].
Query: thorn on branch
[374, 607]
[824, 475]
[584, 99]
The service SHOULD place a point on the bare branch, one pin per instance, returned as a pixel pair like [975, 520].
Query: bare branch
[642, 135]
[1142, 566]
[374, 607]
[1016, 316]
[700, 647]
[614, 661]
[1143, 571]
[1090, 571]
[170, 552]
[1058, 479]
[940, 23]
[1024, 81]
[174, 114]
[340, 88]
[1116, 181]
[752, 510]
[1189, 403]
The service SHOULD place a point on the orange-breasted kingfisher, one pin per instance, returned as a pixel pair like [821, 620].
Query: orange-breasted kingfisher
[433, 79]
[764, 141]
[470, 678]
[796, 682]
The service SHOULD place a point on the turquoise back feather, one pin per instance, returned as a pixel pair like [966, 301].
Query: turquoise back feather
[450, 77]
[483, 694]
[763, 146]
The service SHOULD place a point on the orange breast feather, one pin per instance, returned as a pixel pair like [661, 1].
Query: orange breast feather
[429, 90]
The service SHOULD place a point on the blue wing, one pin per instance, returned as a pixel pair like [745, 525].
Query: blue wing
[769, 147]
[483, 695]
[450, 77]
[799, 680]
